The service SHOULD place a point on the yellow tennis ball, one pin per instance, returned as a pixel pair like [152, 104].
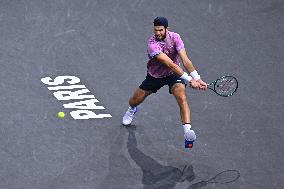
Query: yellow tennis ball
[61, 114]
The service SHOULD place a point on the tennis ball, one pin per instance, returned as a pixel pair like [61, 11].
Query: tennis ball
[61, 114]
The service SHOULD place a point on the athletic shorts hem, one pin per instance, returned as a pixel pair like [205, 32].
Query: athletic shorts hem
[154, 84]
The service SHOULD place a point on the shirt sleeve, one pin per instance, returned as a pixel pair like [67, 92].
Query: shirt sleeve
[154, 49]
[179, 43]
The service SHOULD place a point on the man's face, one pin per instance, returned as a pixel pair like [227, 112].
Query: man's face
[160, 32]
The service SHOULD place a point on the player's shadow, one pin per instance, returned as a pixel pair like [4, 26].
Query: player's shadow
[155, 175]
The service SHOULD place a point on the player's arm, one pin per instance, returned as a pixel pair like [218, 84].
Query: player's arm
[186, 61]
[164, 59]
[155, 51]
[188, 65]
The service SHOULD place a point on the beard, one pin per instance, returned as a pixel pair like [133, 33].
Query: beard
[161, 37]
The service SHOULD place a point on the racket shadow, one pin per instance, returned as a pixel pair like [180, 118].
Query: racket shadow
[224, 177]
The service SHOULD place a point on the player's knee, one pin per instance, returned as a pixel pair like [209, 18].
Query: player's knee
[181, 99]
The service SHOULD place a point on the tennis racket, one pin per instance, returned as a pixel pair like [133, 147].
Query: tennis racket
[224, 86]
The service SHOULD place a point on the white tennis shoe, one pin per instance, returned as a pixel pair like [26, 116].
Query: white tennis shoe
[190, 135]
[129, 115]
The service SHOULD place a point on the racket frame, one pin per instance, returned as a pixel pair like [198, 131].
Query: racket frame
[214, 85]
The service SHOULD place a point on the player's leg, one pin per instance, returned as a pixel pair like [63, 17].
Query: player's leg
[178, 89]
[138, 97]
[149, 85]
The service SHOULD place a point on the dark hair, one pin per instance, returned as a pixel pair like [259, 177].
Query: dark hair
[161, 21]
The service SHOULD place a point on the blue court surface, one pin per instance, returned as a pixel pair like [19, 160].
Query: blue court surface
[101, 49]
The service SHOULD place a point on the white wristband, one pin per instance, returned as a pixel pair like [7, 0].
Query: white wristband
[186, 77]
[195, 75]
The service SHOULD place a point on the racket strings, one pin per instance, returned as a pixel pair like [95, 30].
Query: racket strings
[226, 86]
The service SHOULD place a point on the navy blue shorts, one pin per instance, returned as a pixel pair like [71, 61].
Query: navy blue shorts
[154, 84]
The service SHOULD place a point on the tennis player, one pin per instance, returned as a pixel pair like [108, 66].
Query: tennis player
[164, 48]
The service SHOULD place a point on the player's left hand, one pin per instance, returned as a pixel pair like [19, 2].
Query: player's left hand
[194, 84]
[202, 84]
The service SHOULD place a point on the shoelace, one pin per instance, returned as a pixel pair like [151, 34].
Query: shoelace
[131, 111]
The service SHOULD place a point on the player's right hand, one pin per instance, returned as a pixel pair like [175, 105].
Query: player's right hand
[203, 85]
[194, 84]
